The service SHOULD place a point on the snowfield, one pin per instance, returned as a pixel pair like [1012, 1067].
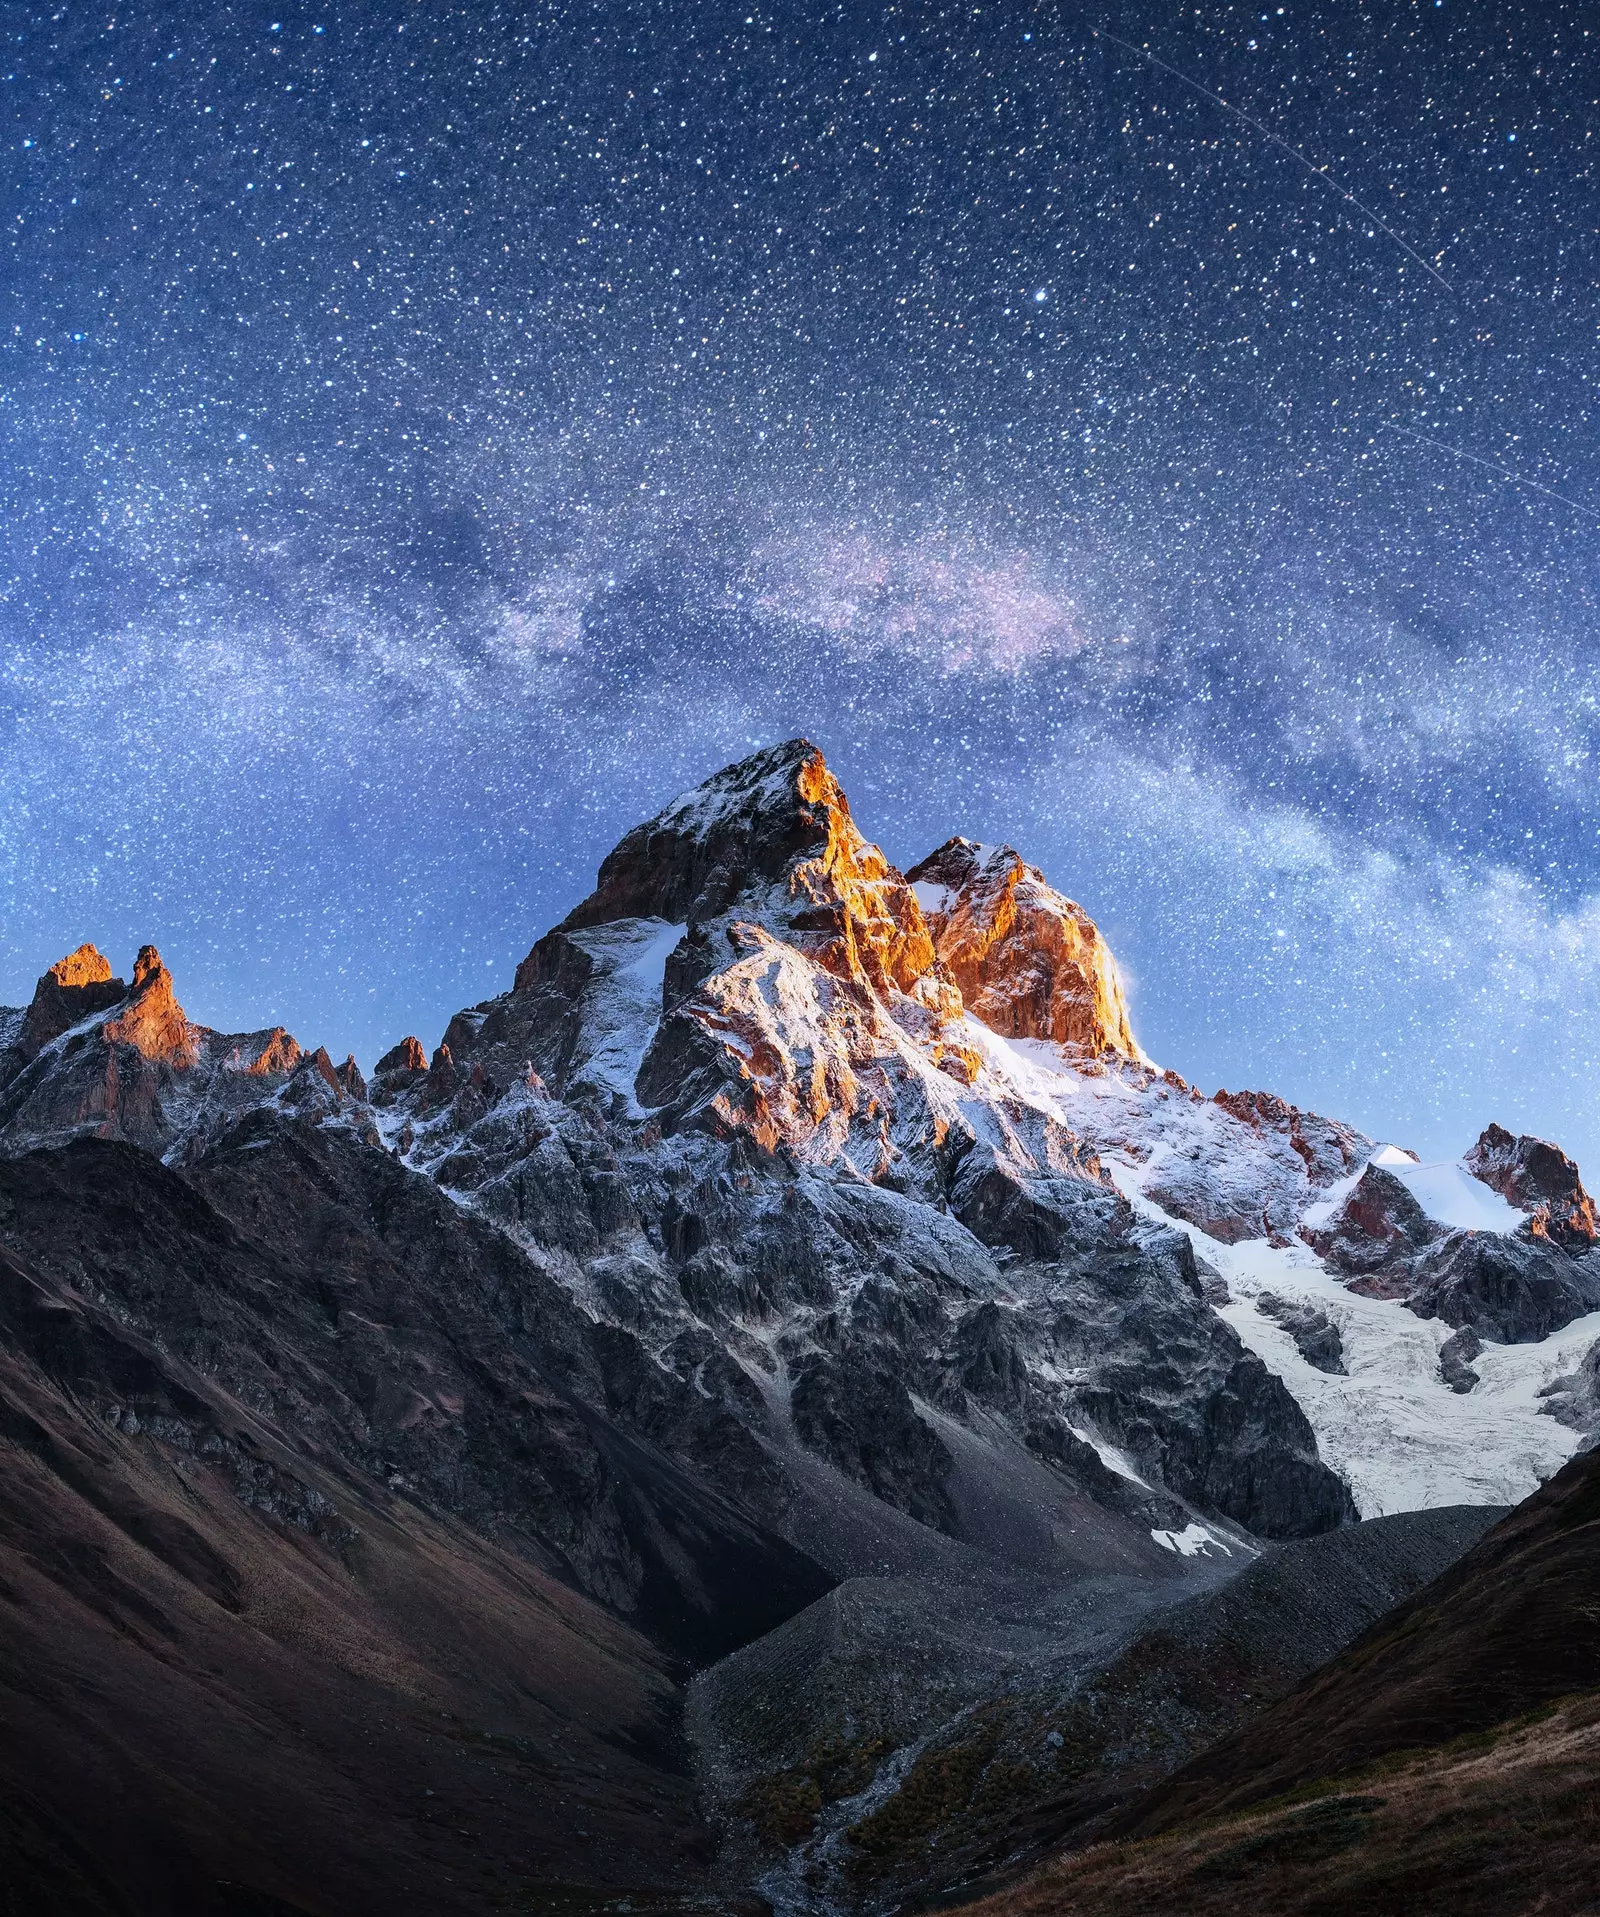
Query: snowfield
[1449, 1193]
[1398, 1434]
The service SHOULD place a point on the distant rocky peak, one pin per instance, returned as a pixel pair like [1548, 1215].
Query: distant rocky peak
[153, 1021]
[80, 986]
[74, 988]
[740, 831]
[407, 1056]
[1029, 961]
[1540, 1179]
[88, 965]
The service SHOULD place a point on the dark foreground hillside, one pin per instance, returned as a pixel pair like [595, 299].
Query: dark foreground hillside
[251, 1661]
[1492, 1826]
[1448, 1761]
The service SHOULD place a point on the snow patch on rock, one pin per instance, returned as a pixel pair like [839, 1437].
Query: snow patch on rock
[1450, 1195]
[624, 1008]
[1193, 1541]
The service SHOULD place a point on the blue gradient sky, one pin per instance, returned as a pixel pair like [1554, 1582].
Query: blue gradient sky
[432, 439]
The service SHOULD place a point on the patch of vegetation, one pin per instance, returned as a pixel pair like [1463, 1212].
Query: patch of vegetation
[938, 1788]
[784, 1807]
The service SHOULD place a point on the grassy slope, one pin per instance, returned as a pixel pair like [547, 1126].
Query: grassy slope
[1447, 1761]
[1496, 1825]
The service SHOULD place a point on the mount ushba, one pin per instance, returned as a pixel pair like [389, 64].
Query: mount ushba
[800, 1275]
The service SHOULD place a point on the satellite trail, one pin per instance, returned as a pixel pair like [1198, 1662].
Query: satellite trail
[1494, 466]
[1266, 132]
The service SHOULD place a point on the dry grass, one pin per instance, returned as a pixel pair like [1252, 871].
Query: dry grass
[1496, 1825]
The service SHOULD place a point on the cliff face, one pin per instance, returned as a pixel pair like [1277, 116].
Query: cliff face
[770, 838]
[1540, 1179]
[1028, 962]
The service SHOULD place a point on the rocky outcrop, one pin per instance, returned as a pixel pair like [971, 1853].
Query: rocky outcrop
[350, 1079]
[72, 989]
[150, 1021]
[1378, 1229]
[1455, 1360]
[407, 1056]
[106, 1059]
[772, 835]
[1315, 1334]
[111, 1057]
[1028, 961]
[1512, 1287]
[1540, 1179]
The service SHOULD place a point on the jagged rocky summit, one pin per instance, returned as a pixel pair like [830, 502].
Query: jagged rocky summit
[94, 1055]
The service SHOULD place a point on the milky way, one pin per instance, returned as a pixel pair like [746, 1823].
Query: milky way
[435, 436]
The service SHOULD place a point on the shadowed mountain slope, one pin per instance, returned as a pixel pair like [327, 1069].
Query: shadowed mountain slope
[290, 1603]
[1445, 1762]
[1510, 1628]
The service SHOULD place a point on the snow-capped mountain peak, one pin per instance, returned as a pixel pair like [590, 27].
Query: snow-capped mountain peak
[875, 1163]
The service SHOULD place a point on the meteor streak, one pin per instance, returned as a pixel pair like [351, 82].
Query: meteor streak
[1266, 132]
[1494, 466]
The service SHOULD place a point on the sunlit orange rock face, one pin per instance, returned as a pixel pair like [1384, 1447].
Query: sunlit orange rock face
[153, 1021]
[772, 836]
[280, 1053]
[1029, 962]
[74, 987]
[112, 1075]
[88, 965]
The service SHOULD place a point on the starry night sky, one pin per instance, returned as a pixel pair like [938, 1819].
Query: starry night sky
[435, 435]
